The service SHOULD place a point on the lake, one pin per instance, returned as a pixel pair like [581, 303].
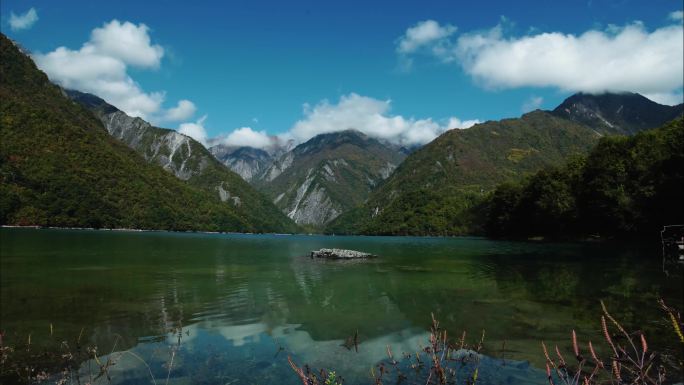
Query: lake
[246, 302]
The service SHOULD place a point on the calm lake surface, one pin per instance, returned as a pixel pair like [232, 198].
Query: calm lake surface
[246, 302]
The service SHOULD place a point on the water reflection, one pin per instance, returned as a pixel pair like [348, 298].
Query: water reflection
[246, 302]
[249, 353]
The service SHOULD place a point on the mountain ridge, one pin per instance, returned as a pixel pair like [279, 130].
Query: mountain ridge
[59, 166]
[185, 158]
[327, 175]
[623, 113]
[433, 190]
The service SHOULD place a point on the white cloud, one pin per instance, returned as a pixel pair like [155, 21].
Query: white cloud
[426, 35]
[25, 21]
[365, 114]
[422, 34]
[532, 103]
[370, 116]
[455, 123]
[669, 98]
[128, 42]
[183, 110]
[195, 130]
[676, 16]
[100, 67]
[628, 58]
[245, 136]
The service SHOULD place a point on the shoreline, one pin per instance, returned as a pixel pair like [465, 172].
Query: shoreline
[536, 240]
[124, 229]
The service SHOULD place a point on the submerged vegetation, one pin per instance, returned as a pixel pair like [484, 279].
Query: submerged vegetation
[627, 359]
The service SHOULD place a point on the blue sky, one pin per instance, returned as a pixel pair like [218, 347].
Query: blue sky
[257, 63]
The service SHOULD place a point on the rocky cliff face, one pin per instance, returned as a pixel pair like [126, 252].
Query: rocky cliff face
[248, 162]
[187, 159]
[176, 153]
[327, 175]
[168, 148]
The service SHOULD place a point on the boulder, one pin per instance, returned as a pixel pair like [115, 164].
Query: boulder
[340, 254]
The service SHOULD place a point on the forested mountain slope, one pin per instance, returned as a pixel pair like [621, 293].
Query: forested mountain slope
[60, 167]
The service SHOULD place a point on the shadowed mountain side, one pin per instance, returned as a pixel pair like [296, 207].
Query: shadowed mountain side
[616, 113]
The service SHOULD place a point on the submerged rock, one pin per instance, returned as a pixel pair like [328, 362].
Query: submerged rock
[340, 254]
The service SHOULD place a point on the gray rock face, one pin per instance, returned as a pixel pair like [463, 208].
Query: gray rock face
[340, 254]
[278, 166]
[176, 153]
[329, 174]
[171, 150]
[248, 162]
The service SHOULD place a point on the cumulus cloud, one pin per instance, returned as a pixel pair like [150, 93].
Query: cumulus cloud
[195, 130]
[101, 65]
[676, 16]
[128, 42]
[246, 136]
[25, 21]
[628, 58]
[372, 117]
[532, 103]
[427, 35]
[362, 113]
[424, 33]
[183, 110]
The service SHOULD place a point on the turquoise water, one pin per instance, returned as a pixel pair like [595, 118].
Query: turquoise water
[246, 302]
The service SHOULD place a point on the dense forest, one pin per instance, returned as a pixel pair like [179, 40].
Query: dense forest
[625, 187]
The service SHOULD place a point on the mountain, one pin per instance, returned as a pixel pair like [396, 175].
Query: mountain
[432, 190]
[327, 175]
[616, 113]
[187, 159]
[60, 167]
[436, 188]
[249, 162]
[625, 187]
[244, 161]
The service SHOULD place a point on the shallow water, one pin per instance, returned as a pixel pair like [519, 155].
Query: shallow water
[246, 302]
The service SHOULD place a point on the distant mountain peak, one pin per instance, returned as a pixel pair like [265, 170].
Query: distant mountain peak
[327, 175]
[90, 101]
[616, 112]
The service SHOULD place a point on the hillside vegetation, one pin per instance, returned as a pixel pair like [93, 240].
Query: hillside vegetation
[434, 189]
[626, 186]
[190, 161]
[60, 167]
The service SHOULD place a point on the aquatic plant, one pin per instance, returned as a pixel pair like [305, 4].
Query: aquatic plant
[442, 361]
[60, 361]
[629, 361]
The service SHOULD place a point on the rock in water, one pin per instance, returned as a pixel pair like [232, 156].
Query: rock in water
[340, 254]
